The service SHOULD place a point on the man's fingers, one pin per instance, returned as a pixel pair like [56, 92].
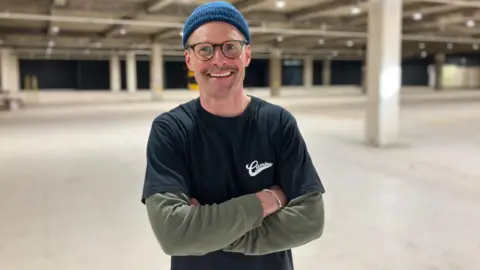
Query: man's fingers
[194, 202]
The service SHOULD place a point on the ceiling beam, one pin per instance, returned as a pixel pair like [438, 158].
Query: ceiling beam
[59, 3]
[52, 29]
[460, 3]
[248, 5]
[258, 17]
[442, 21]
[178, 25]
[430, 10]
[165, 34]
[263, 39]
[312, 11]
[157, 5]
[427, 12]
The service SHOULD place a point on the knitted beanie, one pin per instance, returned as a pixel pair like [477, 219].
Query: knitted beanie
[218, 11]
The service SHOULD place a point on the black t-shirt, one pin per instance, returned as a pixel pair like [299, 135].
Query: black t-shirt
[220, 158]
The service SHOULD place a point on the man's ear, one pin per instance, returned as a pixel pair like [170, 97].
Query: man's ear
[188, 59]
[248, 55]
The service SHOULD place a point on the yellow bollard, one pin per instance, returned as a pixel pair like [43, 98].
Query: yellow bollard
[27, 83]
[35, 84]
[191, 82]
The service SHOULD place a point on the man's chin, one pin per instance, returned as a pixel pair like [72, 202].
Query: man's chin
[216, 91]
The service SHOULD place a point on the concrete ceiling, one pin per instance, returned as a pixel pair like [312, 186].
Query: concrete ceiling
[323, 28]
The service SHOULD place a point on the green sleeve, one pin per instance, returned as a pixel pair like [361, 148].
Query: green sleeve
[182, 229]
[300, 222]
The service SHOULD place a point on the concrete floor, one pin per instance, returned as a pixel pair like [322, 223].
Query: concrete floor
[71, 180]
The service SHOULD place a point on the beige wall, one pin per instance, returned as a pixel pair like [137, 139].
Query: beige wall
[461, 76]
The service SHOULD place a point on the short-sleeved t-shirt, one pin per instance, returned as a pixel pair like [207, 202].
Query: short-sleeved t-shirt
[215, 159]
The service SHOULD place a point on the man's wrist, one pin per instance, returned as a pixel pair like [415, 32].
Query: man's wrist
[268, 201]
[279, 202]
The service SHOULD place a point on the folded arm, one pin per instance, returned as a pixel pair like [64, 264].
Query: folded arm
[185, 229]
[300, 222]
[182, 229]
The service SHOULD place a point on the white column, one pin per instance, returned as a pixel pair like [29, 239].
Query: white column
[439, 63]
[156, 71]
[308, 72]
[383, 71]
[275, 69]
[326, 72]
[14, 72]
[5, 69]
[115, 78]
[131, 63]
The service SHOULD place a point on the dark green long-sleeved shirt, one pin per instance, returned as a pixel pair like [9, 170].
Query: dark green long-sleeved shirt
[234, 226]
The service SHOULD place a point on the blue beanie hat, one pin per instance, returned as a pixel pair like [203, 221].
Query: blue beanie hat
[218, 11]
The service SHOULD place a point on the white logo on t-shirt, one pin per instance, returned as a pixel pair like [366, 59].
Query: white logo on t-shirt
[255, 168]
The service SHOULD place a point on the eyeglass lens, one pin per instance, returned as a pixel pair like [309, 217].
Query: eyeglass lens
[230, 49]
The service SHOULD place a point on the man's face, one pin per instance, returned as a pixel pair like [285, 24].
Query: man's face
[219, 76]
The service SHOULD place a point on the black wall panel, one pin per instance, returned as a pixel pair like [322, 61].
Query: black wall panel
[93, 75]
[51, 74]
[292, 72]
[257, 73]
[472, 60]
[415, 72]
[123, 75]
[346, 72]
[317, 72]
[143, 75]
[175, 74]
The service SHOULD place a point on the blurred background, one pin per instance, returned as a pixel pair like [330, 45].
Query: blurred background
[386, 94]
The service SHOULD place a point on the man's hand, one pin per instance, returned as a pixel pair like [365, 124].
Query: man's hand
[270, 202]
[194, 202]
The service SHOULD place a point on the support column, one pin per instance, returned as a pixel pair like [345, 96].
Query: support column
[275, 72]
[327, 72]
[439, 63]
[131, 72]
[5, 69]
[383, 71]
[115, 78]
[156, 72]
[308, 72]
[14, 73]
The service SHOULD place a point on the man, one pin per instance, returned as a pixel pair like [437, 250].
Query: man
[229, 181]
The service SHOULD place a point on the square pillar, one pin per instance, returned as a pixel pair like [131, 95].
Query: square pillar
[156, 71]
[14, 73]
[115, 78]
[308, 72]
[5, 69]
[275, 70]
[383, 71]
[439, 63]
[131, 72]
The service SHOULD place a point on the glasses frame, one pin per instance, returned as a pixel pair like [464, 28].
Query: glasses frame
[215, 45]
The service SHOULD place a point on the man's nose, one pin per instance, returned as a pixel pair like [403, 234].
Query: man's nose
[218, 55]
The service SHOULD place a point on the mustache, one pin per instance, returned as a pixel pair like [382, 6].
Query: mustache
[220, 69]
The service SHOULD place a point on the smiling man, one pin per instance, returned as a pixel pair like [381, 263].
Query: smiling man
[229, 181]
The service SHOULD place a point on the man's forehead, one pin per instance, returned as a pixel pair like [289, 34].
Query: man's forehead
[215, 32]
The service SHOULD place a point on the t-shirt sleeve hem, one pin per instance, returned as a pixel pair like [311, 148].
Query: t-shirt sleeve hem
[312, 188]
[164, 190]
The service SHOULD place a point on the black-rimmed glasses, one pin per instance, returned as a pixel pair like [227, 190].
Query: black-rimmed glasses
[204, 51]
